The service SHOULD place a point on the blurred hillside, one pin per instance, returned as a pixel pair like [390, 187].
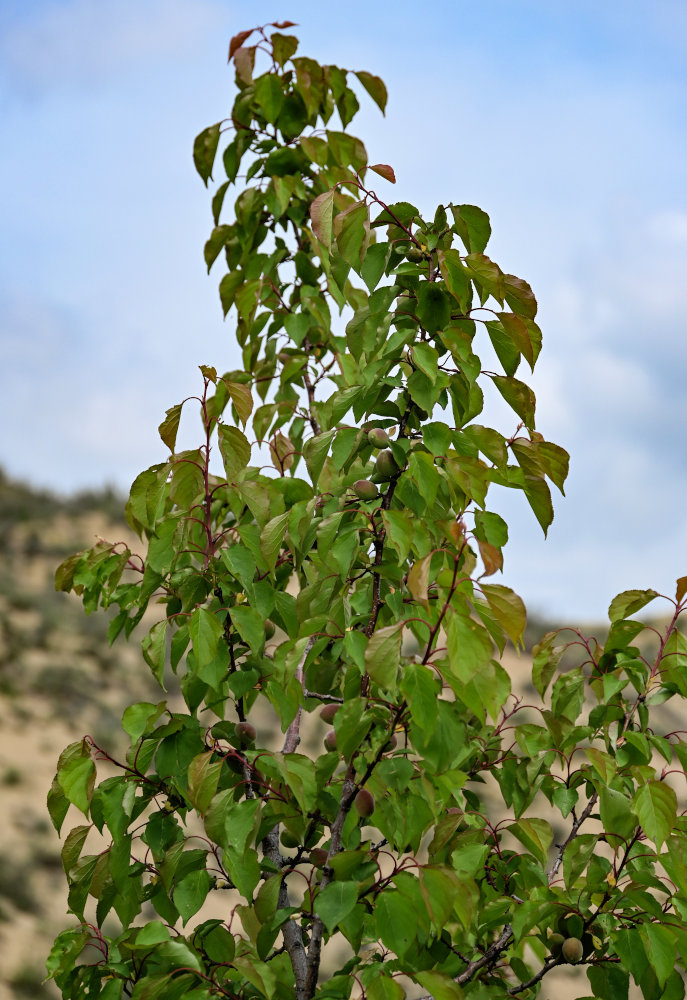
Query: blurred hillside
[59, 680]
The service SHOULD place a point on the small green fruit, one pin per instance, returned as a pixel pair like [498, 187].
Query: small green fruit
[555, 944]
[365, 490]
[415, 255]
[327, 712]
[270, 629]
[378, 437]
[245, 733]
[289, 839]
[572, 950]
[284, 357]
[385, 466]
[364, 803]
[330, 740]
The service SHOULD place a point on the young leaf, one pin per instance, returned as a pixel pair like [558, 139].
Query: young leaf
[385, 171]
[204, 150]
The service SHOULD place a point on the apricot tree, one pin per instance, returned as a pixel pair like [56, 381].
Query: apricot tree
[330, 548]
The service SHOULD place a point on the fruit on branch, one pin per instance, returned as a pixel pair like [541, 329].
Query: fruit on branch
[378, 437]
[245, 733]
[555, 944]
[572, 950]
[365, 490]
[327, 712]
[386, 466]
[270, 629]
[289, 839]
[330, 740]
[318, 857]
[415, 255]
[364, 803]
[392, 742]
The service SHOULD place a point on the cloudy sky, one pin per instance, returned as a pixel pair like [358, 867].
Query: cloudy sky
[564, 119]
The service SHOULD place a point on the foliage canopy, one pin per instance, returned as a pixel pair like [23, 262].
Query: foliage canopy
[443, 832]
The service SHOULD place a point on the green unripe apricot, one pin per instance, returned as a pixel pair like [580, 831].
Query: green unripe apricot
[289, 839]
[365, 490]
[327, 712]
[572, 950]
[330, 740]
[415, 255]
[385, 466]
[270, 629]
[378, 437]
[555, 944]
[364, 803]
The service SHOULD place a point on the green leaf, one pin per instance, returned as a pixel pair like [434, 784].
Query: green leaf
[76, 779]
[507, 608]
[204, 150]
[576, 856]
[433, 307]
[205, 630]
[427, 360]
[384, 988]
[203, 777]
[456, 276]
[441, 986]
[269, 95]
[321, 216]
[545, 659]
[395, 921]
[609, 982]
[242, 399]
[629, 602]
[71, 849]
[419, 688]
[382, 656]
[335, 902]
[444, 892]
[154, 647]
[519, 397]
[536, 835]
[539, 498]
[235, 450]
[190, 893]
[351, 227]
[375, 88]
[661, 949]
[170, 425]
[655, 805]
[315, 452]
[473, 227]
[272, 536]
[616, 815]
[469, 646]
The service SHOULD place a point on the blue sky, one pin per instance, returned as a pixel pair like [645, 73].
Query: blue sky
[564, 119]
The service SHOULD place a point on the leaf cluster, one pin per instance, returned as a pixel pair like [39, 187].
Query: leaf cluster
[287, 585]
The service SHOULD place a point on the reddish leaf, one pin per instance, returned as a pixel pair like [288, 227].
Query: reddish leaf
[283, 24]
[385, 171]
[681, 588]
[491, 557]
[238, 40]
